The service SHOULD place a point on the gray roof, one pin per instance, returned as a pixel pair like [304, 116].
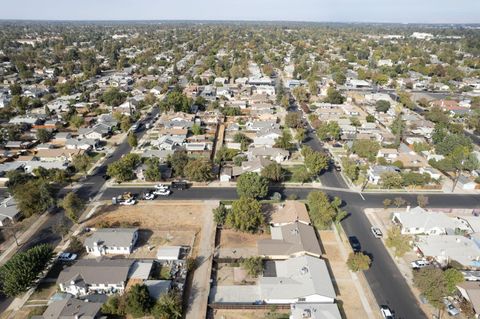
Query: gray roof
[420, 218]
[268, 151]
[112, 237]
[380, 169]
[81, 141]
[298, 277]
[71, 308]
[289, 240]
[8, 209]
[315, 311]
[156, 288]
[96, 271]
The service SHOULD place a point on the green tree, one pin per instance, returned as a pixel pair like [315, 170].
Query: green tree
[138, 301]
[382, 106]
[431, 283]
[115, 305]
[252, 185]
[43, 135]
[321, 212]
[351, 169]
[198, 170]
[81, 163]
[19, 272]
[34, 196]
[220, 214]
[123, 169]
[422, 200]
[153, 172]
[15, 89]
[273, 172]
[253, 265]
[76, 121]
[125, 123]
[315, 161]
[178, 161]
[358, 262]
[197, 129]
[334, 96]
[301, 175]
[169, 306]
[391, 180]
[284, 141]
[293, 120]
[366, 149]
[242, 139]
[73, 206]
[246, 215]
[399, 242]
[113, 97]
[300, 136]
[132, 139]
[452, 278]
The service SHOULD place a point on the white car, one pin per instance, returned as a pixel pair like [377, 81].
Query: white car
[162, 192]
[161, 187]
[417, 264]
[386, 312]
[149, 196]
[377, 232]
[452, 311]
[129, 202]
[67, 256]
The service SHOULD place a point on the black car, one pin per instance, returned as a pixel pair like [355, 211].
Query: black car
[179, 185]
[354, 243]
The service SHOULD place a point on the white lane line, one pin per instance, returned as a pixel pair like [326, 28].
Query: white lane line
[359, 193]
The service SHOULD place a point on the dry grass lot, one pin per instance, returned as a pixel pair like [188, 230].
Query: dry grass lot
[160, 223]
[232, 239]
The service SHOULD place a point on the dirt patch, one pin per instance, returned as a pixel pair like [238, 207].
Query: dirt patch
[251, 314]
[233, 239]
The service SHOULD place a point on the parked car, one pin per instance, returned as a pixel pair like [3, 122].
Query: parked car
[179, 185]
[451, 309]
[417, 264]
[377, 232]
[149, 196]
[161, 186]
[162, 192]
[354, 243]
[129, 202]
[386, 312]
[67, 257]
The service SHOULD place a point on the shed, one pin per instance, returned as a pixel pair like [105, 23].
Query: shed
[169, 253]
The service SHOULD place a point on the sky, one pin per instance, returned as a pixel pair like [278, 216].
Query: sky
[398, 11]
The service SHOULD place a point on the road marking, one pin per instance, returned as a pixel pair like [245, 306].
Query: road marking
[359, 193]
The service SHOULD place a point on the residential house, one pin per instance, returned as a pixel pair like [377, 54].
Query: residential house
[289, 212]
[389, 154]
[255, 166]
[258, 126]
[72, 308]
[417, 221]
[278, 155]
[116, 241]
[375, 172]
[445, 249]
[295, 239]
[266, 137]
[98, 131]
[470, 290]
[81, 144]
[58, 154]
[9, 212]
[86, 276]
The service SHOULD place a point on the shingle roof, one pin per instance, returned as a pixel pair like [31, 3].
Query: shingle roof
[112, 237]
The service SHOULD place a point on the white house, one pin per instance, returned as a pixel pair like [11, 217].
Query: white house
[115, 241]
[445, 249]
[86, 276]
[272, 153]
[375, 172]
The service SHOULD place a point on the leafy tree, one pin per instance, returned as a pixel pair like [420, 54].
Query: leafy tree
[76, 121]
[382, 106]
[252, 185]
[81, 163]
[123, 169]
[350, 168]
[73, 206]
[321, 211]
[358, 262]
[398, 201]
[301, 174]
[246, 215]
[397, 241]
[43, 135]
[169, 306]
[370, 118]
[405, 100]
[339, 77]
[225, 154]
[176, 101]
[253, 266]
[315, 161]
[452, 278]
[197, 129]
[334, 96]
[35, 196]
[284, 141]
[132, 139]
[125, 123]
[15, 89]
[198, 170]
[300, 136]
[17, 178]
[115, 305]
[18, 273]
[452, 141]
[178, 161]
[422, 200]
[220, 214]
[113, 96]
[273, 172]
[293, 120]
[431, 283]
[138, 301]
[242, 139]
[387, 202]
[153, 172]
[391, 180]
[366, 149]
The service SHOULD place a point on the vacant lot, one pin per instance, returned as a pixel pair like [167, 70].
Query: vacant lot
[234, 244]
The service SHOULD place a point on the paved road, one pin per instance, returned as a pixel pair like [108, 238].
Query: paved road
[385, 280]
